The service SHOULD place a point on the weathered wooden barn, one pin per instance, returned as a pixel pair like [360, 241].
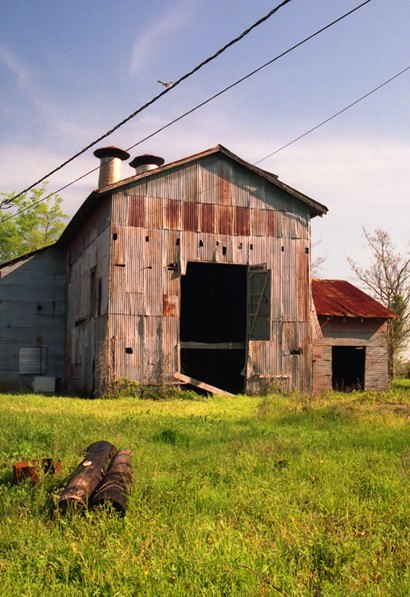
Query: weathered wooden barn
[349, 338]
[197, 268]
[200, 267]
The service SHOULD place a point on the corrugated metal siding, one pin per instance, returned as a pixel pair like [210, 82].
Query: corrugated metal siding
[86, 330]
[32, 315]
[214, 212]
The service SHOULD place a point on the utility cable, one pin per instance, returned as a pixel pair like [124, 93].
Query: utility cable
[335, 115]
[165, 126]
[157, 97]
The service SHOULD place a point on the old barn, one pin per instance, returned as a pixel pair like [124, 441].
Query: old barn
[198, 269]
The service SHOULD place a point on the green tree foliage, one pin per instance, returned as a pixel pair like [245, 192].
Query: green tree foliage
[29, 229]
[388, 280]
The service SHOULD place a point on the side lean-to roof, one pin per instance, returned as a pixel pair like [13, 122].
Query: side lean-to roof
[315, 208]
[339, 298]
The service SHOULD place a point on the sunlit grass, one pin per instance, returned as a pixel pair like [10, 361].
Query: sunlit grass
[232, 496]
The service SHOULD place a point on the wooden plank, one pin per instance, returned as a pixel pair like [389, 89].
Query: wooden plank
[201, 384]
[214, 345]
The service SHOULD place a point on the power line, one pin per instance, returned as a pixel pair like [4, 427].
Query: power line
[157, 97]
[219, 93]
[335, 115]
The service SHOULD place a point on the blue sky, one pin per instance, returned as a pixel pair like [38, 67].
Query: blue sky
[69, 71]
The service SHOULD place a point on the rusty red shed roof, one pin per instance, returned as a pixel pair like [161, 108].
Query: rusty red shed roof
[341, 299]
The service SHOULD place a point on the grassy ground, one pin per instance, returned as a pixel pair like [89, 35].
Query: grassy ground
[232, 496]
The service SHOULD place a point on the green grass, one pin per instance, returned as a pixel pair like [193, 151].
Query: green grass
[232, 496]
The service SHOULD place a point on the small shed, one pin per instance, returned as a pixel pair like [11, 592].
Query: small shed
[349, 338]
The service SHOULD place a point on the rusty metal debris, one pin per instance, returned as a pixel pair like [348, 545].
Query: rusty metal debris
[34, 469]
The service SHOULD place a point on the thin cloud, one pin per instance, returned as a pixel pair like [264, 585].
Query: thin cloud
[157, 34]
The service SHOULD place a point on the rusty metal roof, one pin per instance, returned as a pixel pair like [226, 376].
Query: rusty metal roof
[339, 298]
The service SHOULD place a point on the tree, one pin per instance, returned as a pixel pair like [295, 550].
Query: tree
[24, 230]
[388, 280]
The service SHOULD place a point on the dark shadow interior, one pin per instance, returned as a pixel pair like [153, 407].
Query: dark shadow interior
[213, 310]
[348, 368]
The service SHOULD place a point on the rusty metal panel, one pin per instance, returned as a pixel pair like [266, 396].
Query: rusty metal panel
[169, 305]
[258, 222]
[207, 217]
[271, 222]
[153, 207]
[136, 211]
[172, 214]
[190, 216]
[225, 219]
[340, 298]
[241, 221]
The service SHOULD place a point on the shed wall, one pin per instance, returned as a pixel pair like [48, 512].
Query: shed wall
[32, 315]
[370, 333]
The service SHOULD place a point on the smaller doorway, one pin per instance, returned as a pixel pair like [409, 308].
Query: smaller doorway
[348, 368]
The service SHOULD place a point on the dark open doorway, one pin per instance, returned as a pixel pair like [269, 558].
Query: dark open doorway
[348, 368]
[213, 324]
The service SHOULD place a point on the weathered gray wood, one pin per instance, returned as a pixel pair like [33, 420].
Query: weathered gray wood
[114, 487]
[201, 384]
[214, 345]
[87, 476]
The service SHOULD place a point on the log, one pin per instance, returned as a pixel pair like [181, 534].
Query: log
[86, 477]
[114, 487]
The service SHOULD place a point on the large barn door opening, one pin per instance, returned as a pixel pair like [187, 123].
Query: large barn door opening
[213, 324]
[348, 368]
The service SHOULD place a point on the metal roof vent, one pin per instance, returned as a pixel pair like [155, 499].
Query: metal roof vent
[110, 164]
[146, 162]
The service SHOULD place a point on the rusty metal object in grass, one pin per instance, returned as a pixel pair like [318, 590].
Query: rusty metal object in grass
[34, 469]
[86, 477]
[113, 488]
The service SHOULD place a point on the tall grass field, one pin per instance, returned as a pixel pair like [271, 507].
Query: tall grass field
[277, 495]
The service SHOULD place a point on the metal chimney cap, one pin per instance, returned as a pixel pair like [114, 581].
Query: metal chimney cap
[146, 158]
[111, 152]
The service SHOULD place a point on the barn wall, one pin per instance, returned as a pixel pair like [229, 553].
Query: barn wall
[88, 255]
[211, 211]
[32, 315]
[370, 333]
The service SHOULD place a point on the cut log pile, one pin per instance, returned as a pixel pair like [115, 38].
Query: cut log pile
[103, 477]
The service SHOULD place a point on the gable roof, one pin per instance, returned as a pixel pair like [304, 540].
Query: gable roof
[339, 298]
[315, 208]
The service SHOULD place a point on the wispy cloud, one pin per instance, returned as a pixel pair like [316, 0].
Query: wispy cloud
[157, 34]
[57, 120]
[24, 79]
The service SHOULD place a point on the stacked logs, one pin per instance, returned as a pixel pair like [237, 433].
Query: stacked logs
[104, 476]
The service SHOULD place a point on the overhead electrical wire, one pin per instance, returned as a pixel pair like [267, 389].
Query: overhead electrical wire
[335, 115]
[214, 96]
[159, 95]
